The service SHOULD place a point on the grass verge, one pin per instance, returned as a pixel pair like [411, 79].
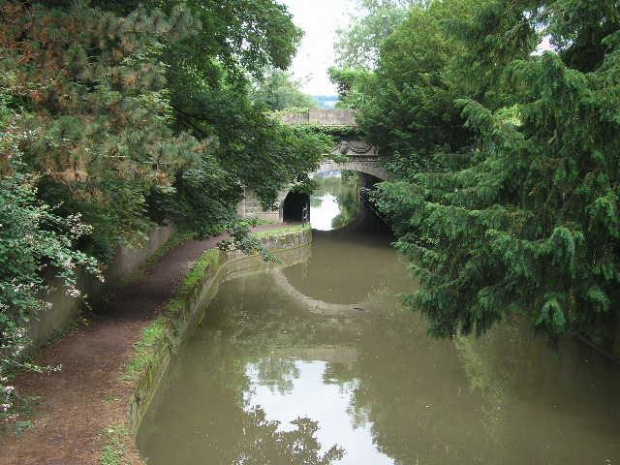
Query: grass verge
[284, 230]
[144, 349]
[261, 222]
[157, 332]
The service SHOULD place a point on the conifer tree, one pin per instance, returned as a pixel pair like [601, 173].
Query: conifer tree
[521, 215]
[97, 131]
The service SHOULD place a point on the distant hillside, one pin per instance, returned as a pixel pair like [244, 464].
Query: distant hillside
[326, 101]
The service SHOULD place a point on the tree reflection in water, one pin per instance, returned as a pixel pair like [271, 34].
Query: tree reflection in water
[263, 443]
[277, 373]
[336, 202]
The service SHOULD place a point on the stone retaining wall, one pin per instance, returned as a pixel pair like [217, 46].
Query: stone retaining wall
[65, 309]
[252, 207]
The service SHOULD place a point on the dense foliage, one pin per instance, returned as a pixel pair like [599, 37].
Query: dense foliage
[506, 160]
[92, 110]
[116, 116]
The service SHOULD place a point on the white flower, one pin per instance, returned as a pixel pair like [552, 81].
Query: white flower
[74, 292]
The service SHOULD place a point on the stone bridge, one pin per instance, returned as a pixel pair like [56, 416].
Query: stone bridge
[360, 156]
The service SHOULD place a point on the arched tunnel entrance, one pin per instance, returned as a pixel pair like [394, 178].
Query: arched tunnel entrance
[295, 205]
[342, 197]
[368, 181]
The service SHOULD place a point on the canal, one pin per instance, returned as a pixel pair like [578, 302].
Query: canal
[315, 361]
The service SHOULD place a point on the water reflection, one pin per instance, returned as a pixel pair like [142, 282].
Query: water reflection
[333, 413]
[266, 380]
[264, 442]
[369, 260]
[323, 210]
[335, 203]
[207, 413]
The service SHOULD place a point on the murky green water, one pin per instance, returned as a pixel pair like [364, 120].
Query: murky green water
[316, 363]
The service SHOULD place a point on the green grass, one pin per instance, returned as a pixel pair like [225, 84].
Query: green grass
[210, 258]
[143, 354]
[23, 426]
[115, 449]
[261, 222]
[282, 231]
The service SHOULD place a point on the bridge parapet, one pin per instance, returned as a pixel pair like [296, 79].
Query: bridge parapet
[321, 117]
[350, 144]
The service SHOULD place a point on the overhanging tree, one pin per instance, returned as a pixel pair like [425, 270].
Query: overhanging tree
[119, 115]
[520, 215]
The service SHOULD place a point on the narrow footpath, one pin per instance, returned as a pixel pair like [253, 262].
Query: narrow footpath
[87, 396]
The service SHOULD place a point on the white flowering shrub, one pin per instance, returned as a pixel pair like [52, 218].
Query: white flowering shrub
[32, 238]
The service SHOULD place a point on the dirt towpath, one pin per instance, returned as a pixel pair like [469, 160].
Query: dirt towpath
[87, 395]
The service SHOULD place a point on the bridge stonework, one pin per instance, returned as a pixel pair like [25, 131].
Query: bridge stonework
[335, 117]
[360, 156]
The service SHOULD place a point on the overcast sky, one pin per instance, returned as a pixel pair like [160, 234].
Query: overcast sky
[319, 19]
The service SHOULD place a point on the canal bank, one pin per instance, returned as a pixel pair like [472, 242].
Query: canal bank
[167, 333]
[83, 407]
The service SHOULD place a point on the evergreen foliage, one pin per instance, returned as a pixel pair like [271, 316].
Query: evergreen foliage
[506, 161]
[94, 112]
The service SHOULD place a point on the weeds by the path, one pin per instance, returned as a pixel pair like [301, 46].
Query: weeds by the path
[115, 450]
[282, 231]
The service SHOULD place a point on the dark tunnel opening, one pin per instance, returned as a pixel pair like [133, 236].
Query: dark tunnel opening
[295, 205]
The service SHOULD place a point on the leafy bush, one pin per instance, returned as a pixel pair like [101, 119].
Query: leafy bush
[32, 238]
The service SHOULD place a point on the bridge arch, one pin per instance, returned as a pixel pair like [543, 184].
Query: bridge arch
[358, 155]
[371, 168]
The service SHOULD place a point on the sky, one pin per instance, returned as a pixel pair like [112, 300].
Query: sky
[319, 19]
